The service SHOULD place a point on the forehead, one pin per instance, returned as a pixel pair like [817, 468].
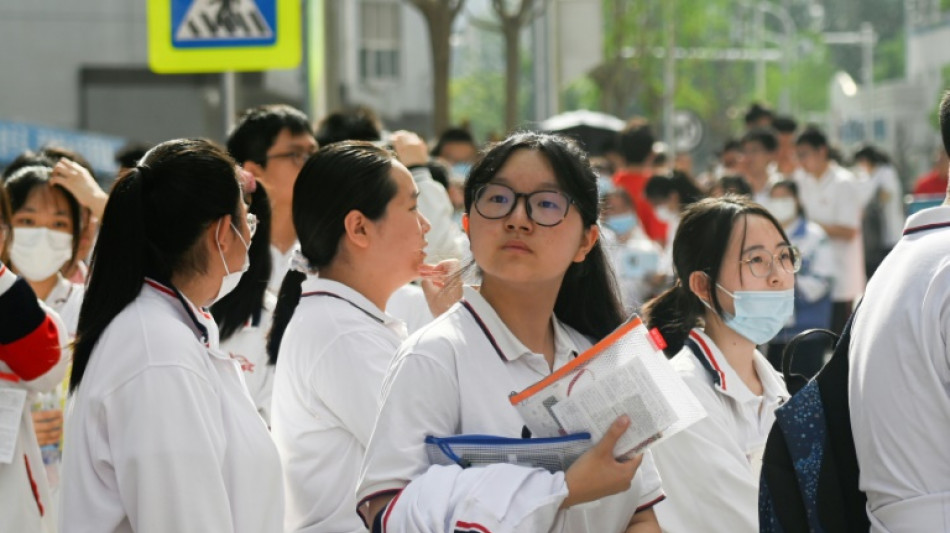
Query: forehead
[527, 168]
[752, 230]
[286, 139]
[46, 198]
[406, 186]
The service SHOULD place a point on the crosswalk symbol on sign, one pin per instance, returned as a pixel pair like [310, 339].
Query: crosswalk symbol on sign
[212, 23]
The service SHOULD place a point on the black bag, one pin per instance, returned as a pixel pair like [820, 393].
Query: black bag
[810, 470]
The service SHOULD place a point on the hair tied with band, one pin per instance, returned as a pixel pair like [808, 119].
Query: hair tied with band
[299, 263]
[248, 183]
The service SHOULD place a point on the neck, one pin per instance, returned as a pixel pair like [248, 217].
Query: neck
[282, 233]
[738, 351]
[526, 311]
[195, 288]
[45, 287]
[820, 171]
[362, 276]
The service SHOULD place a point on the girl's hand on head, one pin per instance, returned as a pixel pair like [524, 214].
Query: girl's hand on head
[435, 279]
[76, 179]
[597, 473]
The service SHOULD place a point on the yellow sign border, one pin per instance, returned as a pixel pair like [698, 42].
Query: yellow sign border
[163, 58]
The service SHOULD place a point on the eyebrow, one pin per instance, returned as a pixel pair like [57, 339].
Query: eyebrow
[761, 247]
[547, 185]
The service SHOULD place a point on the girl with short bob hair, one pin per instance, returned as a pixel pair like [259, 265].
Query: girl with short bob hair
[162, 432]
[546, 294]
[355, 210]
[735, 273]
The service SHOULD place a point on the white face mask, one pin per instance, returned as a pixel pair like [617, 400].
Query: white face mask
[783, 209]
[231, 279]
[38, 253]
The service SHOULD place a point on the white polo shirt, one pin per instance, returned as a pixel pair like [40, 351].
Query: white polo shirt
[162, 435]
[330, 368]
[279, 265]
[454, 377]
[836, 198]
[711, 469]
[899, 381]
[66, 299]
[248, 346]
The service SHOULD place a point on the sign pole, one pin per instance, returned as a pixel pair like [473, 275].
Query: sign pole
[227, 102]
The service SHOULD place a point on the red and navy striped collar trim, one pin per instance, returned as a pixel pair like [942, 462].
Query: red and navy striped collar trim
[925, 227]
[338, 297]
[484, 328]
[704, 354]
[170, 291]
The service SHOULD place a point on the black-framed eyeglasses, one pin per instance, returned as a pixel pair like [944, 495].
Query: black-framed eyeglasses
[297, 157]
[545, 208]
[761, 262]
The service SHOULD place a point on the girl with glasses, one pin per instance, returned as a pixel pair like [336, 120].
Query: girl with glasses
[735, 273]
[355, 211]
[162, 433]
[546, 294]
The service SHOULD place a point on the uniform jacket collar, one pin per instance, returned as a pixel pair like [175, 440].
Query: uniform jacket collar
[508, 347]
[199, 320]
[725, 378]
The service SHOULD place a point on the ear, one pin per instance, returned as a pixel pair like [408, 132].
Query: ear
[588, 240]
[356, 229]
[217, 234]
[700, 286]
[465, 223]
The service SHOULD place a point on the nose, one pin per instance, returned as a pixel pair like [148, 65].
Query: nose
[424, 223]
[518, 218]
[779, 278]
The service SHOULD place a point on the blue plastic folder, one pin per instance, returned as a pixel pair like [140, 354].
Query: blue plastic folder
[553, 454]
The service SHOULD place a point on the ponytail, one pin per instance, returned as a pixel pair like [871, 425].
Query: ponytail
[587, 300]
[674, 312]
[287, 301]
[152, 227]
[114, 280]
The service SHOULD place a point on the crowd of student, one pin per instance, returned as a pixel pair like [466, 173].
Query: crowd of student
[263, 334]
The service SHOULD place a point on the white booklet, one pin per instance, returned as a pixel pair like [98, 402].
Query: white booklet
[625, 373]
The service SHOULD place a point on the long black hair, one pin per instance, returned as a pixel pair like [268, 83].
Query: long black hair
[151, 227]
[699, 246]
[339, 178]
[27, 179]
[246, 301]
[587, 300]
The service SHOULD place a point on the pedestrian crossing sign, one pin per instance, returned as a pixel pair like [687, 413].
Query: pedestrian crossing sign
[223, 35]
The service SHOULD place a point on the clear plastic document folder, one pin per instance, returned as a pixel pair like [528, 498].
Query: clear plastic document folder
[625, 373]
[554, 454]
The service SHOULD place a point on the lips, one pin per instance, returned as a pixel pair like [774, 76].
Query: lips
[516, 246]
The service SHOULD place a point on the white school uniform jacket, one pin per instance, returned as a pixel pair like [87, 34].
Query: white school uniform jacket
[332, 360]
[66, 299]
[454, 377]
[162, 433]
[899, 381]
[31, 361]
[248, 346]
[711, 469]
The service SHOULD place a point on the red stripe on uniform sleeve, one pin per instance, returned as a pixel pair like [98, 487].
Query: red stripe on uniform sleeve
[649, 505]
[35, 354]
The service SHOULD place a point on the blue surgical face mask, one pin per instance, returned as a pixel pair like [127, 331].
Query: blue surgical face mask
[621, 224]
[604, 185]
[461, 169]
[760, 315]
